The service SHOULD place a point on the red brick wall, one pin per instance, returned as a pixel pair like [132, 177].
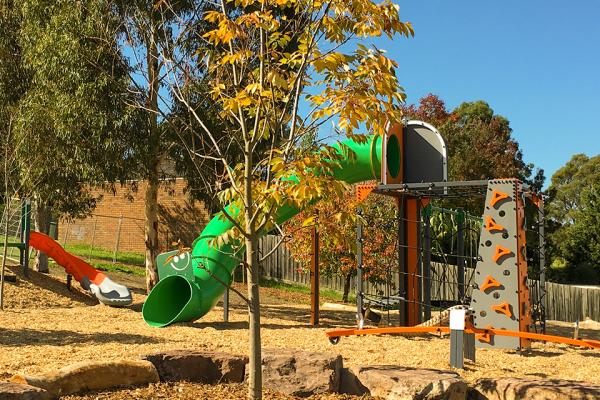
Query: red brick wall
[178, 219]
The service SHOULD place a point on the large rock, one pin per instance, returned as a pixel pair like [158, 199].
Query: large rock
[85, 376]
[198, 366]
[399, 383]
[17, 391]
[300, 373]
[535, 389]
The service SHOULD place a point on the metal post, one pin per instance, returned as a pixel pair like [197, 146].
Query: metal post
[226, 305]
[314, 278]
[542, 250]
[118, 238]
[460, 253]
[427, 263]
[25, 235]
[66, 234]
[469, 346]
[419, 281]
[403, 276]
[359, 266]
[93, 238]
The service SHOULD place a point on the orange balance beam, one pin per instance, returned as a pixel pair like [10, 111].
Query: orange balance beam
[334, 336]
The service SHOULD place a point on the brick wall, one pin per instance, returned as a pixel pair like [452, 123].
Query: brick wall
[121, 216]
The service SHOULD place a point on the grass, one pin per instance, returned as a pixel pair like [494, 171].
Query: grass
[86, 251]
[324, 294]
[137, 271]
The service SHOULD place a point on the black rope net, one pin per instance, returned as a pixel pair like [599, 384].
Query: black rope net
[447, 253]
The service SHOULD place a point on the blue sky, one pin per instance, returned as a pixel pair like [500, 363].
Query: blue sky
[535, 62]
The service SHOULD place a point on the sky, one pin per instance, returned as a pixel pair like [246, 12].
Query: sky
[535, 62]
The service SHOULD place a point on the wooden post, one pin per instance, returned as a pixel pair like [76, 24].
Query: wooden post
[314, 278]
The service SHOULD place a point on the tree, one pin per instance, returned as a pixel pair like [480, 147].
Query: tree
[146, 35]
[571, 211]
[336, 220]
[70, 119]
[259, 84]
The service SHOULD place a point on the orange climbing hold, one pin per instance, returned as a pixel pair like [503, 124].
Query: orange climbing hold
[485, 336]
[497, 196]
[491, 225]
[489, 283]
[501, 252]
[503, 308]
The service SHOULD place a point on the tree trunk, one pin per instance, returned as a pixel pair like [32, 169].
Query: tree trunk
[43, 217]
[151, 230]
[255, 359]
[151, 199]
[347, 287]
[4, 250]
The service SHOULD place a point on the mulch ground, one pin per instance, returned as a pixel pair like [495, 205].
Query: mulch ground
[189, 391]
[45, 326]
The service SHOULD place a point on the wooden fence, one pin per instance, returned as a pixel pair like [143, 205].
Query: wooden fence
[563, 302]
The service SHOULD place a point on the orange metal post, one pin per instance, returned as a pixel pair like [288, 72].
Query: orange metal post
[411, 267]
[314, 278]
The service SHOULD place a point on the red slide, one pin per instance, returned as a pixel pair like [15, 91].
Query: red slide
[107, 291]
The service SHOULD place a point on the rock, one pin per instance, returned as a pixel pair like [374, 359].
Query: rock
[535, 389]
[300, 373]
[350, 384]
[17, 391]
[84, 376]
[198, 366]
[400, 383]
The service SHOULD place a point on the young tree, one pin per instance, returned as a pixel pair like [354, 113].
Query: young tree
[262, 60]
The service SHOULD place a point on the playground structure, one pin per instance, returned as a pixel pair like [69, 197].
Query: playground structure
[500, 311]
[101, 286]
[410, 165]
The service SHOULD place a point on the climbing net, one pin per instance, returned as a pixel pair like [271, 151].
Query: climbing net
[444, 254]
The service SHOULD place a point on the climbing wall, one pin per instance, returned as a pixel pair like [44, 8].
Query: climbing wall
[500, 297]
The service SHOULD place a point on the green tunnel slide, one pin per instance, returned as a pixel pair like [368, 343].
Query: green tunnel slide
[191, 285]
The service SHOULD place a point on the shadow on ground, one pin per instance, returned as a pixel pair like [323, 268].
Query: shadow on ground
[37, 337]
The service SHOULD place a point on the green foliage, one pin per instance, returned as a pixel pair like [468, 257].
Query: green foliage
[573, 218]
[70, 118]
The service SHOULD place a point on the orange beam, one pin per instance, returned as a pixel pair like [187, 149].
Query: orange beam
[595, 344]
[412, 258]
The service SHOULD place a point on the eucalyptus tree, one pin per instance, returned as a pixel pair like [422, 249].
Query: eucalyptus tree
[71, 116]
[145, 33]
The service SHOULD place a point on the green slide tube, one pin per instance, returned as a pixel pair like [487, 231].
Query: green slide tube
[178, 298]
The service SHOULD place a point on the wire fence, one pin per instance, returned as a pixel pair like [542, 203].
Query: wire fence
[118, 236]
[12, 215]
[563, 302]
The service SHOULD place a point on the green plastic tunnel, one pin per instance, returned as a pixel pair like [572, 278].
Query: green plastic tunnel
[177, 299]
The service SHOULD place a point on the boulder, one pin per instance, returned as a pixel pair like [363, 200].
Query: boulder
[535, 389]
[350, 384]
[17, 391]
[300, 373]
[393, 382]
[198, 366]
[85, 376]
